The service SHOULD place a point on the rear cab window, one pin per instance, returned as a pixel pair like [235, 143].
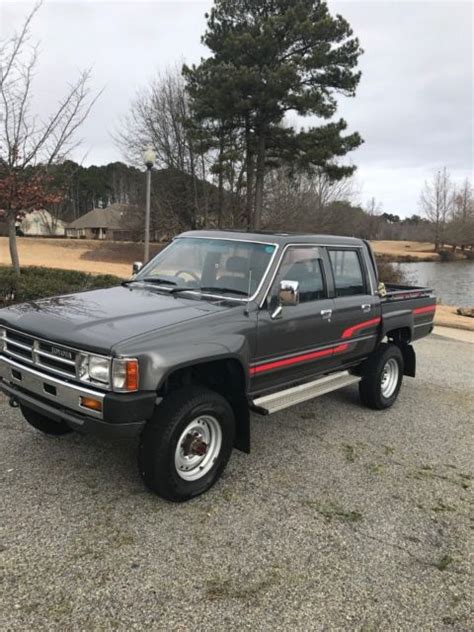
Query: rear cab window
[348, 273]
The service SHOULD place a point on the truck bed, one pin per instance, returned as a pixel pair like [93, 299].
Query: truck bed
[408, 307]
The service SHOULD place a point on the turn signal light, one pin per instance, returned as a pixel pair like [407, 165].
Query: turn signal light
[132, 375]
[93, 404]
[125, 375]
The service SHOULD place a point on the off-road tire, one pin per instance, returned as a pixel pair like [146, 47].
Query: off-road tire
[370, 387]
[160, 436]
[44, 424]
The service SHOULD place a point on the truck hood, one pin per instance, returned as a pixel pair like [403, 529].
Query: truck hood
[97, 320]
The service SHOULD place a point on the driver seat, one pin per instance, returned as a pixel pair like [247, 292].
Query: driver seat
[235, 274]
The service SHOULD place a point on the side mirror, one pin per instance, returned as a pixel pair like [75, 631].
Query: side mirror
[382, 290]
[289, 293]
[136, 267]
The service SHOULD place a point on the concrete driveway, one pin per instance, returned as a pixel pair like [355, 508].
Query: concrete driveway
[341, 519]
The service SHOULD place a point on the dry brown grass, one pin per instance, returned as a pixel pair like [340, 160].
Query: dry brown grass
[413, 249]
[84, 255]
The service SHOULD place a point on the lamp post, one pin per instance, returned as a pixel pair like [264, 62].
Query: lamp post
[149, 157]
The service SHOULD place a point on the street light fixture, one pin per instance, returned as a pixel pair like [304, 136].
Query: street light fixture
[149, 157]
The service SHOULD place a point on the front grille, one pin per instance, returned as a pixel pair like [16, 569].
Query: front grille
[41, 353]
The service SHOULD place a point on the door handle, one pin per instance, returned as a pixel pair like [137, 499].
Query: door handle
[366, 307]
[326, 313]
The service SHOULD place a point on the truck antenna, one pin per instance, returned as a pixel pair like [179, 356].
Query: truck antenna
[248, 292]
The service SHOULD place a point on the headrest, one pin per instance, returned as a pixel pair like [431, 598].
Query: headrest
[237, 264]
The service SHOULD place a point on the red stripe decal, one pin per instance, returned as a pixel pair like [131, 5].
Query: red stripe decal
[341, 348]
[425, 310]
[289, 361]
[313, 355]
[349, 332]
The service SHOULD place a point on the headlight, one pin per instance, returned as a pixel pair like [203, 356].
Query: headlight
[99, 369]
[125, 374]
[120, 374]
[94, 369]
[3, 335]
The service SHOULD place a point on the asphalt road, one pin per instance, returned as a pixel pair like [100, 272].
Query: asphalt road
[341, 519]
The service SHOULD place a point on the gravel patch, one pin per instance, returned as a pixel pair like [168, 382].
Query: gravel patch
[342, 518]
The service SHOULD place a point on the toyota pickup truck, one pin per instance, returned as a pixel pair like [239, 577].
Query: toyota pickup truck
[219, 324]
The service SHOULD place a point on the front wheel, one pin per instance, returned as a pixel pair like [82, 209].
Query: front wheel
[382, 377]
[186, 445]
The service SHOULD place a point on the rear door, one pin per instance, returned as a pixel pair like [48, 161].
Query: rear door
[299, 342]
[356, 311]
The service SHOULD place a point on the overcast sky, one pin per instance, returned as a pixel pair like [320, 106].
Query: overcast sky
[414, 106]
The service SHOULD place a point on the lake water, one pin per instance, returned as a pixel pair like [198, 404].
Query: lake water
[453, 282]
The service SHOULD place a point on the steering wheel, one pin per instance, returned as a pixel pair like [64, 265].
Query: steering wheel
[191, 274]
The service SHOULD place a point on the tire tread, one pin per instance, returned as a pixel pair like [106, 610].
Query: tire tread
[153, 452]
[369, 387]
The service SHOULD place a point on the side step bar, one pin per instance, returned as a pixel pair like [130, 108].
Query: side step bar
[269, 404]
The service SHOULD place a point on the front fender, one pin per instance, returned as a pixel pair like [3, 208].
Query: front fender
[157, 365]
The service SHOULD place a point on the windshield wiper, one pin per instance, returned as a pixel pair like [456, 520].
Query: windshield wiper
[208, 288]
[211, 288]
[156, 280]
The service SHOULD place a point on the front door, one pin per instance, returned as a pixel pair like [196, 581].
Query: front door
[298, 343]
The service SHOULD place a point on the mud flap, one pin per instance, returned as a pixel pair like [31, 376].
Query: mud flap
[242, 425]
[409, 360]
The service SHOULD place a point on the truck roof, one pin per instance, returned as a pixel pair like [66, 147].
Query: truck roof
[276, 237]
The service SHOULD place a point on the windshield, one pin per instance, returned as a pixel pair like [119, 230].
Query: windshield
[215, 266]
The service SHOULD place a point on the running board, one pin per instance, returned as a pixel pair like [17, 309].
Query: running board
[284, 399]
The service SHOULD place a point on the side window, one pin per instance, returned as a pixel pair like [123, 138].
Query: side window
[303, 264]
[347, 271]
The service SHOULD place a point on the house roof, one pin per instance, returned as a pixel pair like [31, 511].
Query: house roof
[111, 217]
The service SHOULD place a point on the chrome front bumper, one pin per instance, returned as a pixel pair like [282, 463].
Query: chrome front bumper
[59, 392]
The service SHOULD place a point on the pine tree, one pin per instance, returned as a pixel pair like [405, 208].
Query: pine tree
[270, 58]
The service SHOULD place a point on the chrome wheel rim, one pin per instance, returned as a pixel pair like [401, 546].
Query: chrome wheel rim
[389, 379]
[198, 447]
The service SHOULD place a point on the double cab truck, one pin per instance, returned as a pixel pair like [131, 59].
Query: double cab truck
[215, 326]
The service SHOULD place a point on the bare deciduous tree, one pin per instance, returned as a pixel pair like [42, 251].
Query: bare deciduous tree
[160, 115]
[436, 202]
[28, 143]
[300, 201]
[460, 231]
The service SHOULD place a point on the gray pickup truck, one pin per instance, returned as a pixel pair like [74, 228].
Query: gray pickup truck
[218, 324]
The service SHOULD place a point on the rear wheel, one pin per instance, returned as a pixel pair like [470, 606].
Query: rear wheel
[44, 424]
[186, 445]
[382, 377]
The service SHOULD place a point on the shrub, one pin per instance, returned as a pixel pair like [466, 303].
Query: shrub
[35, 283]
[446, 255]
[388, 273]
